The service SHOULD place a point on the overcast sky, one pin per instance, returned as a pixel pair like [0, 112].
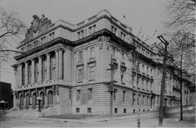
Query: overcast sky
[145, 14]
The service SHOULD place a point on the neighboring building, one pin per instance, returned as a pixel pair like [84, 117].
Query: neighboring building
[66, 65]
[6, 100]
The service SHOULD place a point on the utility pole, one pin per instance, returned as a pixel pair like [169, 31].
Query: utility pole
[111, 90]
[138, 101]
[181, 110]
[136, 59]
[163, 80]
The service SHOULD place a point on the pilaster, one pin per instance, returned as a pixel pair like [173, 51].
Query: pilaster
[33, 70]
[57, 63]
[48, 66]
[26, 73]
[60, 64]
[40, 69]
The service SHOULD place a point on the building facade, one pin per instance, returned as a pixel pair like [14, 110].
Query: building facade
[67, 66]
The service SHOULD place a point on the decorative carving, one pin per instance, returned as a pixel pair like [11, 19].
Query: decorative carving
[37, 26]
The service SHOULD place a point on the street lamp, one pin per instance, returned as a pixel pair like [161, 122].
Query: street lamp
[39, 102]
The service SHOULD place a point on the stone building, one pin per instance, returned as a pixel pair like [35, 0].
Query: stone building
[67, 66]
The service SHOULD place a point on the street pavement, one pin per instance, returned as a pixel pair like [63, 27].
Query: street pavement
[149, 119]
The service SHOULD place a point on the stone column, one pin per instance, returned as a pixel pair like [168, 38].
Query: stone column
[26, 73]
[14, 98]
[57, 63]
[40, 69]
[16, 76]
[20, 75]
[60, 64]
[48, 66]
[33, 71]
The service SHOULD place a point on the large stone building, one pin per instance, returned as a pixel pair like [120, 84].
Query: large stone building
[67, 66]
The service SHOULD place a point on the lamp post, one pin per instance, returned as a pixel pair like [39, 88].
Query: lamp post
[39, 102]
[163, 79]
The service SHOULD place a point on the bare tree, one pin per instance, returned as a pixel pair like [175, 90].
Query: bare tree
[11, 29]
[181, 19]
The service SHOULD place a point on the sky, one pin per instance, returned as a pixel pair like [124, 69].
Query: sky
[142, 15]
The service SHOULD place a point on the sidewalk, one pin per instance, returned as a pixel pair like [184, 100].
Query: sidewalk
[134, 116]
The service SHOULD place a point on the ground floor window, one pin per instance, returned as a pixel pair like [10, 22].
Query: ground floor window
[125, 110]
[77, 110]
[89, 110]
[116, 110]
[50, 97]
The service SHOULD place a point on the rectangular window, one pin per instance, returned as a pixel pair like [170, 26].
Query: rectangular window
[29, 74]
[80, 56]
[70, 93]
[122, 76]
[92, 52]
[124, 94]
[78, 95]
[82, 33]
[77, 110]
[116, 110]
[80, 75]
[89, 110]
[90, 91]
[133, 99]
[125, 110]
[91, 72]
[23, 75]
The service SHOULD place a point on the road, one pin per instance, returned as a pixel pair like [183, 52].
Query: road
[147, 120]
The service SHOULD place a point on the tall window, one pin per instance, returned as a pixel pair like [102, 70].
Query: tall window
[36, 71]
[78, 95]
[44, 69]
[133, 99]
[52, 67]
[92, 52]
[29, 73]
[91, 72]
[124, 94]
[23, 75]
[80, 75]
[80, 56]
[122, 75]
[90, 90]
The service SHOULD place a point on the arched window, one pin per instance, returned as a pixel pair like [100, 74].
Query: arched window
[50, 97]
[34, 100]
[42, 101]
[21, 101]
[27, 101]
